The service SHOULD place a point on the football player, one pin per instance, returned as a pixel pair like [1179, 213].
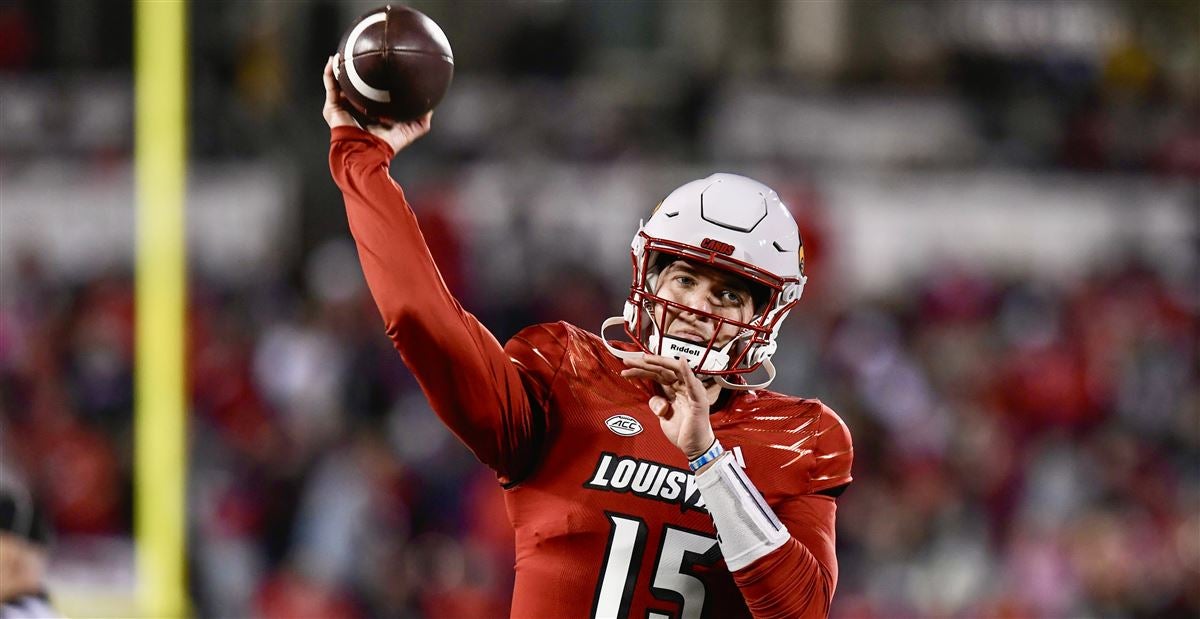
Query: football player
[647, 476]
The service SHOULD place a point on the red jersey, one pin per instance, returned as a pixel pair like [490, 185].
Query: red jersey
[608, 519]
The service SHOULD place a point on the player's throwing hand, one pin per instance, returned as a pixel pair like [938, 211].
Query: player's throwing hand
[398, 135]
[682, 410]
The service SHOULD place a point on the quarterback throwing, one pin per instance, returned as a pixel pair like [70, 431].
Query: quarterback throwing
[647, 476]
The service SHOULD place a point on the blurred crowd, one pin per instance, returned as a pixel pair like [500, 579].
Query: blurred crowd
[1024, 449]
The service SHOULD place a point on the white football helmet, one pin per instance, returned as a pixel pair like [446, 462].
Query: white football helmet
[729, 222]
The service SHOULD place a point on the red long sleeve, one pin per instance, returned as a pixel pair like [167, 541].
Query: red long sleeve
[798, 579]
[466, 375]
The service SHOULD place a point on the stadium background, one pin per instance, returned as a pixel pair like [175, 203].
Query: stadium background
[999, 202]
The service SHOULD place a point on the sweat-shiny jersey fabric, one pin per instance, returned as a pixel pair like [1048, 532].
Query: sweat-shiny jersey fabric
[607, 517]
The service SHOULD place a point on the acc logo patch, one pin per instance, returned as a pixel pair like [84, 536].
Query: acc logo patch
[623, 425]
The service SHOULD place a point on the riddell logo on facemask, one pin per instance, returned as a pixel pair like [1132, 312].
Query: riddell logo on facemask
[683, 349]
[717, 246]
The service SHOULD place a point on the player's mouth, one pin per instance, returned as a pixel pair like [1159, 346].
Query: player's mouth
[688, 335]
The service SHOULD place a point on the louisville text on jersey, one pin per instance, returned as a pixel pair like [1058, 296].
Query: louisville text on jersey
[646, 479]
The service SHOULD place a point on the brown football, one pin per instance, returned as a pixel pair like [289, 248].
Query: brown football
[394, 64]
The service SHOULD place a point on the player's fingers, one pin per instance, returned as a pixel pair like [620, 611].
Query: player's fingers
[680, 367]
[670, 365]
[636, 373]
[651, 363]
[694, 386]
[418, 127]
[657, 376]
[685, 370]
[636, 362]
[660, 407]
[662, 361]
[331, 89]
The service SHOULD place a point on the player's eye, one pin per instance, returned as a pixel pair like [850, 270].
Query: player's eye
[686, 281]
[731, 297]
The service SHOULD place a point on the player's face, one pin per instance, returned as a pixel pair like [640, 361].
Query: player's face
[707, 289]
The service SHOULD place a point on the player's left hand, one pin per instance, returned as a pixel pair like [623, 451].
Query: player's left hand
[682, 410]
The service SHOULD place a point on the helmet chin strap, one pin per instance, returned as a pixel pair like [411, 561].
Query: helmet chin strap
[617, 352]
[766, 365]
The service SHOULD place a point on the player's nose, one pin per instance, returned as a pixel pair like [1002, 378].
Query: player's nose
[700, 301]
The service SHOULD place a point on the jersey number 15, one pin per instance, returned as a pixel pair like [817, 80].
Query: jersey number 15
[679, 551]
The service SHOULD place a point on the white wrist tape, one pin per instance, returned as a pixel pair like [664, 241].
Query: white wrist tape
[747, 528]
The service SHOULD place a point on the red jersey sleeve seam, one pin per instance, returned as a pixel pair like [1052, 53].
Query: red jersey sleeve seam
[544, 400]
[561, 362]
